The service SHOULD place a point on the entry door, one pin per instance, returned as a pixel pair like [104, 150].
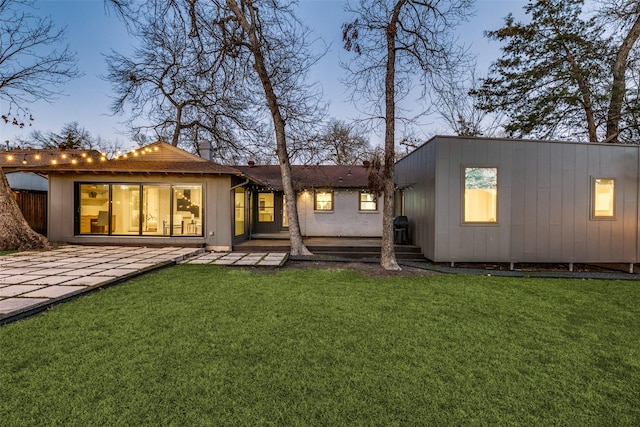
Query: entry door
[269, 213]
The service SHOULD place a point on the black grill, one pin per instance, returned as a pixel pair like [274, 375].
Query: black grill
[401, 230]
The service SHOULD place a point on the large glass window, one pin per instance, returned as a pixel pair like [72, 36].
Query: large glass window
[323, 200]
[480, 195]
[156, 208]
[187, 210]
[94, 205]
[266, 207]
[603, 197]
[239, 211]
[368, 202]
[125, 209]
[140, 209]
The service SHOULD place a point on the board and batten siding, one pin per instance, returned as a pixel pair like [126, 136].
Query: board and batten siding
[415, 176]
[544, 201]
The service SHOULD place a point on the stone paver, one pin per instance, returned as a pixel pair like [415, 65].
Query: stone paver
[20, 278]
[16, 271]
[53, 291]
[262, 259]
[13, 290]
[16, 304]
[116, 272]
[49, 280]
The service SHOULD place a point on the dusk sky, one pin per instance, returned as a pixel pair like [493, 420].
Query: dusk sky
[93, 31]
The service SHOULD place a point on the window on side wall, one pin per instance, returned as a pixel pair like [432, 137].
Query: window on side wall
[603, 198]
[323, 200]
[480, 195]
[368, 201]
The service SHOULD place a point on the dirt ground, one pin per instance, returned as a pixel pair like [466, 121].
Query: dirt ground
[374, 269]
[366, 268]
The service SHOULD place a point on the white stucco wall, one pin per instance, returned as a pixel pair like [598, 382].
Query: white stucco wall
[344, 221]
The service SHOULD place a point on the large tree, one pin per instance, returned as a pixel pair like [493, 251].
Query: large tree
[71, 136]
[278, 46]
[563, 73]
[397, 45]
[624, 16]
[181, 81]
[457, 107]
[263, 51]
[31, 69]
[343, 143]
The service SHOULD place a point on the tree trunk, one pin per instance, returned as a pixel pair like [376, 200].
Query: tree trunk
[15, 232]
[388, 253]
[587, 104]
[618, 87]
[295, 236]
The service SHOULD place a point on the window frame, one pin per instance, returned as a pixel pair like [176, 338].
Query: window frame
[198, 229]
[315, 200]
[360, 201]
[593, 200]
[463, 187]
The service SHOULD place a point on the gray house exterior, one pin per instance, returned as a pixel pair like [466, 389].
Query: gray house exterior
[535, 201]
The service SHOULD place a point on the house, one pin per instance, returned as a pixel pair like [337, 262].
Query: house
[30, 188]
[160, 194]
[521, 201]
[156, 195]
[332, 200]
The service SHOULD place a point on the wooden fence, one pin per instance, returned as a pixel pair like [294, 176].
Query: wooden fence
[33, 205]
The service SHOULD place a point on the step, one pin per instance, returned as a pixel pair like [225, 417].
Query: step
[404, 252]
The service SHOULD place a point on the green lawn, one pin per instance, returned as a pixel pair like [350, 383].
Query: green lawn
[200, 345]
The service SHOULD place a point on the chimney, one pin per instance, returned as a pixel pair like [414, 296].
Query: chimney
[366, 163]
[205, 150]
[251, 163]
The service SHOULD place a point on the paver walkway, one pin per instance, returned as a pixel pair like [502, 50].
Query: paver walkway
[36, 279]
[32, 281]
[260, 259]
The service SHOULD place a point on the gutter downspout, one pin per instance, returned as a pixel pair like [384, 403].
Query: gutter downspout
[240, 185]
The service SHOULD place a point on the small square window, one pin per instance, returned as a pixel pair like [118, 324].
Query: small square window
[603, 200]
[368, 202]
[323, 201]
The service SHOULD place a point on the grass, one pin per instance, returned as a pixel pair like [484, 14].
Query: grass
[196, 345]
